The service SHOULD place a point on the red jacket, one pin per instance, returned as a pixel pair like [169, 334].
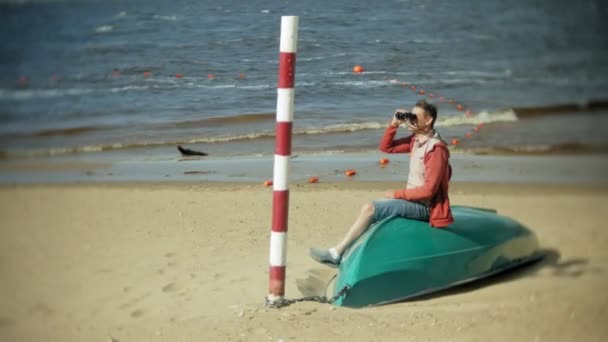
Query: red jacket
[437, 176]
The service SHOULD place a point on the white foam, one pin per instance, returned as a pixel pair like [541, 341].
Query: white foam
[21, 95]
[127, 88]
[29, 94]
[342, 128]
[255, 87]
[104, 28]
[507, 115]
[364, 84]
[166, 17]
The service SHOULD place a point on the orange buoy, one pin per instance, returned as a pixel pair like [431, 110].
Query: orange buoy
[268, 183]
[431, 95]
[469, 135]
[476, 128]
[350, 173]
[460, 107]
[384, 161]
[147, 74]
[468, 113]
[211, 76]
[413, 88]
[421, 92]
[455, 141]
[313, 179]
[179, 75]
[242, 76]
[480, 125]
[358, 69]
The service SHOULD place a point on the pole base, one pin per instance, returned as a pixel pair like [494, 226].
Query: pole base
[273, 301]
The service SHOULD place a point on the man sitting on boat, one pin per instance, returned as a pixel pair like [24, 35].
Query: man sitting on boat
[424, 198]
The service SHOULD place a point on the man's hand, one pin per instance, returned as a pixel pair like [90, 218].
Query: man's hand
[389, 194]
[396, 122]
[411, 127]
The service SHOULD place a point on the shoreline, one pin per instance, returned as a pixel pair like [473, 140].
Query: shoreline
[456, 188]
[551, 169]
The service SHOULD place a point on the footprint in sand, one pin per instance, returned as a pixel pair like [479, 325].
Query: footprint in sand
[315, 283]
[5, 322]
[171, 287]
[133, 301]
[170, 256]
[137, 313]
[41, 309]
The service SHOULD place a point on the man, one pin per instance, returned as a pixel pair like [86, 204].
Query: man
[424, 198]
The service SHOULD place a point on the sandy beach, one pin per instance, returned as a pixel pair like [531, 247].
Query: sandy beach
[189, 262]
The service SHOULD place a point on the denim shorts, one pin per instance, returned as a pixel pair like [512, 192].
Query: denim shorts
[398, 207]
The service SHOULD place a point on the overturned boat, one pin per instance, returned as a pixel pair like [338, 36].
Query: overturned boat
[399, 259]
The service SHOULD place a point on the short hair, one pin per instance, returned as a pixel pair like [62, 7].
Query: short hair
[429, 109]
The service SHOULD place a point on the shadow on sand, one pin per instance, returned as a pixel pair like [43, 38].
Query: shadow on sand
[551, 265]
[317, 279]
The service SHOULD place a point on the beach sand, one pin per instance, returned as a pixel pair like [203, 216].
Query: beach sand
[189, 262]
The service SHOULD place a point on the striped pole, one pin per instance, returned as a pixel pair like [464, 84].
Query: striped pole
[280, 197]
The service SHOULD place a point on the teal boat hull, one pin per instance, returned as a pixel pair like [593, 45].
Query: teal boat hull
[399, 259]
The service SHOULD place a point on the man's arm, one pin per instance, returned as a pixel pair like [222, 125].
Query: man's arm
[435, 168]
[388, 144]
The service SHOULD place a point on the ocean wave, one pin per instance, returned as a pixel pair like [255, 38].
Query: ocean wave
[66, 131]
[55, 132]
[340, 128]
[32, 94]
[318, 58]
[427, 41]
[223, 120]
[507, 115]
[566, 108]
[547, 149]
[29, 94]
[167, 82]
[479, 73]
[344, 128]
[58, 151]
[128, 88]
[364, 84]
[559, 149]
[165, 17]
[104, 28]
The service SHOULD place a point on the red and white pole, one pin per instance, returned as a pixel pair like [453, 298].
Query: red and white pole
[280, 197]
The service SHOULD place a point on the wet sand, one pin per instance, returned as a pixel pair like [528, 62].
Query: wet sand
[189, 262]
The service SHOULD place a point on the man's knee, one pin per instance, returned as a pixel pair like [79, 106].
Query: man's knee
[368, 209]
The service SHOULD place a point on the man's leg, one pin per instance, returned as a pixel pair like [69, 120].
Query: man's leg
[359, 226]
[370, 213]
[333, 255]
